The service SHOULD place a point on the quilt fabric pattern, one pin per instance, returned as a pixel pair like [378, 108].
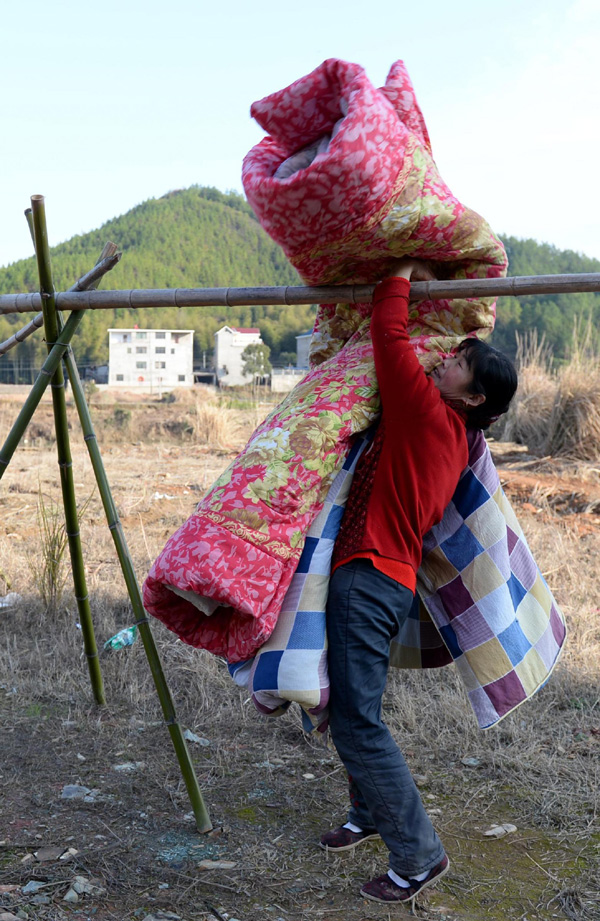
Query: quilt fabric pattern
[292, 664]
[374, 195]
[481, 603]
[486, 595]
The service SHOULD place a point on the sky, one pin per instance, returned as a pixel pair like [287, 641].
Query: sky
[106, 106]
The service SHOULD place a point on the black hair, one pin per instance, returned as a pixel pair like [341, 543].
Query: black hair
[494, 376]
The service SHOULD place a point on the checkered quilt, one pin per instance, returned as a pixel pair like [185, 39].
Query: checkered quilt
[481, 602]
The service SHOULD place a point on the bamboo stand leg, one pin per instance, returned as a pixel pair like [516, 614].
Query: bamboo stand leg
[65, 462]
[201, 815]
[51, 364]
[37, 391]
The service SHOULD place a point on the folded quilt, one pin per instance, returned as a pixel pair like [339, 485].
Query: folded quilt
[481, 603]
[369, 196]
[373, 194]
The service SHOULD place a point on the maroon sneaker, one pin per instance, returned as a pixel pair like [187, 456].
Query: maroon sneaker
[342, 839]
[384, 889]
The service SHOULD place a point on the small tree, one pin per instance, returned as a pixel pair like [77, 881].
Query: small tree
[287, 358]
[256, 361]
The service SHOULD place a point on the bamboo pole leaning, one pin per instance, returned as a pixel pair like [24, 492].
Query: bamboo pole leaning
[514, 286]
[107, 261]
[141, 621]
[37, 391]
[60, 350]
[63, 447]
[109, 258]
[203, 822]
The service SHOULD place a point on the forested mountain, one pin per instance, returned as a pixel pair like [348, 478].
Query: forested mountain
[200, 237]
[197, 237]
[552, 315]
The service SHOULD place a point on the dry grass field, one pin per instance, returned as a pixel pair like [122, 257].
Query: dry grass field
[270, 789]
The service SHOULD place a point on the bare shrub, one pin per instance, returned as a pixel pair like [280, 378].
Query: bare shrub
[529, 416]
[184, 396]
[556, 412]
[574, 428]
[214, 425]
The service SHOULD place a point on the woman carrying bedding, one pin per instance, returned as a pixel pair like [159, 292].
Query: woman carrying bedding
[401, 488]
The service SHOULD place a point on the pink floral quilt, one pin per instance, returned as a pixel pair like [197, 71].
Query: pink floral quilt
[372, 196]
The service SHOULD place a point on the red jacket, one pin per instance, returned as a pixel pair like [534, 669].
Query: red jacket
[407, 477]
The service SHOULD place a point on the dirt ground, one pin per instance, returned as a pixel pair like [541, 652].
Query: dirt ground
[96, 821]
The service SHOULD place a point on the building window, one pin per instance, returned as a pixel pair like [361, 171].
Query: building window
[160, 364]
[141, 335]
[181, 377]
[140, 350]
[160, 335]
[172, 351]
[140, 364]
[129, 350]
[125, 338]
[119, 377]
[160, 350]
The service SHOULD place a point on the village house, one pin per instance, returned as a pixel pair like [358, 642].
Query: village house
[150, 359]
[302, 349]
[230, 342]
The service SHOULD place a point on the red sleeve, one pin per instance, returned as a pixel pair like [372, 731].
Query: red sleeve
[406, 391]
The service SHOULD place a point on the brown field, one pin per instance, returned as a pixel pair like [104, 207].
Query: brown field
[270, 789]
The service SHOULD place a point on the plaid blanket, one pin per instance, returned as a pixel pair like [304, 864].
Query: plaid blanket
[481, 602]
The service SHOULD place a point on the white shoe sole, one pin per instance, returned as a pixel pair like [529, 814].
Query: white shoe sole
[426, 885]
[350, 847]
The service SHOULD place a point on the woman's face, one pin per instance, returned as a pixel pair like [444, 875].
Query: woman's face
[453, 378]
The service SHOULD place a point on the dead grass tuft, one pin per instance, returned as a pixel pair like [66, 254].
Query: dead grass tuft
[214, 425]
[574, 426]
[529, 415]
[556, 412]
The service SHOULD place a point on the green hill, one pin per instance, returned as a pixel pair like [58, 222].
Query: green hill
[201, 237]
[552, 315]
[197, 237]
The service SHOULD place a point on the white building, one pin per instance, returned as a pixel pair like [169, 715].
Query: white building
[230, 342]
[150, 359]
[302, 349]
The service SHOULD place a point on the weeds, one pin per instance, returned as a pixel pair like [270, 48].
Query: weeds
[48, 570]
[5, 579]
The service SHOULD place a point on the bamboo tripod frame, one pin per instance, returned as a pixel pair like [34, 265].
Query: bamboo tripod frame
[58, 339]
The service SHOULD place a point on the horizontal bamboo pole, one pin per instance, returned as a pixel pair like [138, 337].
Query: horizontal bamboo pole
[90, 279]
[515, 286]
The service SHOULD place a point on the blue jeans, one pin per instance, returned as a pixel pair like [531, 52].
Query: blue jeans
[365, 609]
